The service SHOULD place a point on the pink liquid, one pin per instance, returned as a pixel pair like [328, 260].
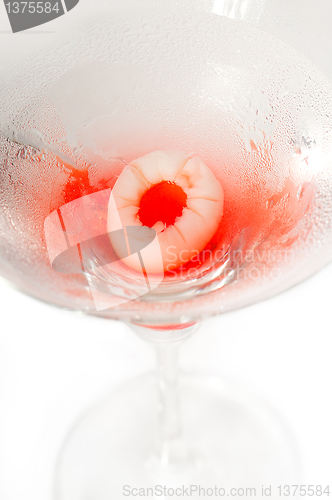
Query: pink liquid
[260, 216]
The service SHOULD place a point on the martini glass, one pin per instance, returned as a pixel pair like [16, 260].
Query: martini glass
[246, 87]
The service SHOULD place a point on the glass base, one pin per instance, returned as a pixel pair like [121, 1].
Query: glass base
[234, 441]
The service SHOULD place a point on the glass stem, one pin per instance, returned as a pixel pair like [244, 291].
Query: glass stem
[172, 454]
[172, 447]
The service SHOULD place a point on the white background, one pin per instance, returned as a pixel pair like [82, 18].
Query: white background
[55, 363]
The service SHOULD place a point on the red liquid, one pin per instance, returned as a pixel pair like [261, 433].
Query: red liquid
[260, 216]
[78, 185]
